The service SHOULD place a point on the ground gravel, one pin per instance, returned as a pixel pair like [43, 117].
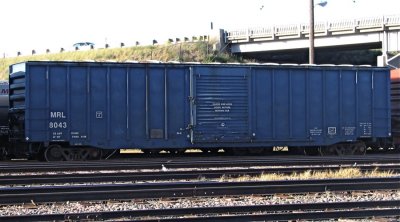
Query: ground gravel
[145, 204]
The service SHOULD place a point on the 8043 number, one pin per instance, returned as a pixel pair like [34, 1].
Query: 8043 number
[57, 125]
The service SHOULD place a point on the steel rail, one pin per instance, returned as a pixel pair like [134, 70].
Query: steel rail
[151, 163]
[292, 216]
[187, 189]
[96, 177]
[229, 213]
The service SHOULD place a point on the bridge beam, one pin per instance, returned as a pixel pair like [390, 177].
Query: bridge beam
[391, 40]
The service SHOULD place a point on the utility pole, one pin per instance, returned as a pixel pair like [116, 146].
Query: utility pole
[311, 29]
[311, 33]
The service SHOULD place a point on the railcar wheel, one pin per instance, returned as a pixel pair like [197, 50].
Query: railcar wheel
[82, 153]
[344, 149]
[396, 148]
[312, 151]
[94, 154]
[58, 153]
[53, 153]
[3, 153]
[335, 149]
[359, 149]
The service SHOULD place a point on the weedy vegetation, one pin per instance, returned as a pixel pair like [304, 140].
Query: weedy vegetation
[183, 52]
[342, 173]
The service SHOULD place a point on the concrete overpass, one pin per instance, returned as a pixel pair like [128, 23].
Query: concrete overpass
[374, 32]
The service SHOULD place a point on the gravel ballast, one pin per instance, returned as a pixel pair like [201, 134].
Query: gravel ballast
[144, 204]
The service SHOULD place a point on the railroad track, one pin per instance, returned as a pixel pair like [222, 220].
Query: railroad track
[156, 163]
[171, 189]
[15, 195]
[96, 177]
[235, 213]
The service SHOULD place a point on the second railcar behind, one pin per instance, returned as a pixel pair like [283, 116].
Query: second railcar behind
[395, 99]
[64, 108]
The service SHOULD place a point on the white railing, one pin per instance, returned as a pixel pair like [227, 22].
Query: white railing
[287, 30]
[370, 24]
[376, 22]
[261, 31]
[342, 25]
[393, 20]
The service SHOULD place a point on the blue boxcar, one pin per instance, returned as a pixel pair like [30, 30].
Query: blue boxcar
[167, 105]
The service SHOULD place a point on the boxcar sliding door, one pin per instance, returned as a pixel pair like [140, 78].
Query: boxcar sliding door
[219, 104]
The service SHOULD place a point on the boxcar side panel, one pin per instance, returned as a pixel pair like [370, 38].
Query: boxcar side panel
[298, 110]
[365, 103]
[36, 115]
[98, 106]
[281, 104]
[315, 104]
[263, 109]
[155, 108]
[117, 98]
[348, 107]
[79, 102]
[332, 103]
[177, 109]
[115, 105]
[58, 127]
[381, 126]
[136, 103]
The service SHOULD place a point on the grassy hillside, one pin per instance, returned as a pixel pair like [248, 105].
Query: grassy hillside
[187, 52]
[192, 52]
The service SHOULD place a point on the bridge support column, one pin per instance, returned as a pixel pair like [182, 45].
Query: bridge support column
[382, 60]
[220, 44]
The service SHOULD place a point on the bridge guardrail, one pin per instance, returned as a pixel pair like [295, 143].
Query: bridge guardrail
[368, 24]
[342, 25]
[319, 27]
[287, 30]
[393, 20]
